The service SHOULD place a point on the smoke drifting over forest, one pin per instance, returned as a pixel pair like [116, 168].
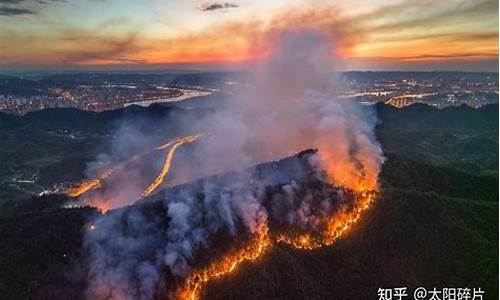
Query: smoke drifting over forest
[290, 106]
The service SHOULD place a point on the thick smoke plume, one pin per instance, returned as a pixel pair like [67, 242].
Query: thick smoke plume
[290, 105]
[130, 247]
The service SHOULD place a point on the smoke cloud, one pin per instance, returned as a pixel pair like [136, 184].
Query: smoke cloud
[290, 105]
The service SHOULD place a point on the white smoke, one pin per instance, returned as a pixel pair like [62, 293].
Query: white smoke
[291, 105]
[118, 246]
[192, 220]
[121, 240]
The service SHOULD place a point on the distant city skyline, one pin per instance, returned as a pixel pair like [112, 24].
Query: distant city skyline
[416, 35]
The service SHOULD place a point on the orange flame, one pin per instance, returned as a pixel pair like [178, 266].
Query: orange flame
[336, 226]
[83, 187]
[195, 281]
[168, 161]
[86, 186]
[99, 203]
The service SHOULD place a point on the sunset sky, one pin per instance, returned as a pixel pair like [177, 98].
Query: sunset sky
[149, 34]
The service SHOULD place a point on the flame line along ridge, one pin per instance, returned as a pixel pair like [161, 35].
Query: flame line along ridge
[336, 228]
[195, 282]
[337, 225]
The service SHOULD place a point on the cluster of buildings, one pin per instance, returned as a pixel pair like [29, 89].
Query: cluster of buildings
[439, 89]
[85, 97]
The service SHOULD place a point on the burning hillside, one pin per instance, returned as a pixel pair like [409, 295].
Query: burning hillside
[173, 243]
[168, 161]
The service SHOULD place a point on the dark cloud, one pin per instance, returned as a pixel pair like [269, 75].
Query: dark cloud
[12, 11]
[15, 7]
[217, 6]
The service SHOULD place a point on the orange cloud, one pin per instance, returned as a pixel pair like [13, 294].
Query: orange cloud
[408, 31]
[250, 40]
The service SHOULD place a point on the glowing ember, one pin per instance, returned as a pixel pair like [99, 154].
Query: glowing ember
[86, 186]
[168, 161]
[95, 183]
[166, 145]
[197, 280]
[83, 187]
[332, 227]
[99, 203]
[336, 226]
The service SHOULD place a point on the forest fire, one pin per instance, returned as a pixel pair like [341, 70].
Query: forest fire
[305, 201]
[336, 226]
[168, 161]
[83, 187]
[96, 183]
[195, 214]
[226, 265]
[99, 203]
[86, 186]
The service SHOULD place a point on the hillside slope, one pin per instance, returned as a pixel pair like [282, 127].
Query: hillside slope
[435, 223]
[409, 238]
